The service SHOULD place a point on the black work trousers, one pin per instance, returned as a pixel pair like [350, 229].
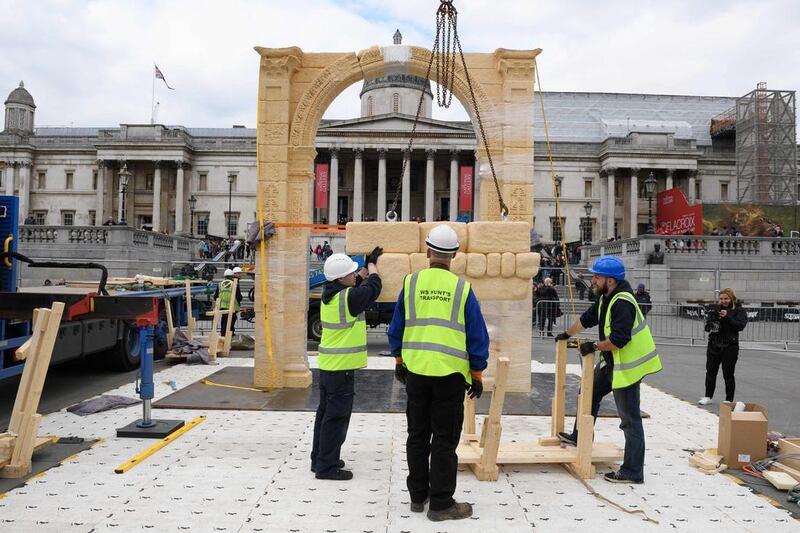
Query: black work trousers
[435, 414]
[224, 322]
[336, 392]
[726, 357]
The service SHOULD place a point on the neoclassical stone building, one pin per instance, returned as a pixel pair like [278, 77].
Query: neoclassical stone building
[604, 146]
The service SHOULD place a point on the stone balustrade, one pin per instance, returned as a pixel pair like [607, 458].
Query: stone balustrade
[101, 236]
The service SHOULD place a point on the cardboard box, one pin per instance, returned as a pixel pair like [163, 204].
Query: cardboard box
[742, 436]
[790, 445]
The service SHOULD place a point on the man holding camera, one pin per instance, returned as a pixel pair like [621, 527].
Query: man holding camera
[723, 324]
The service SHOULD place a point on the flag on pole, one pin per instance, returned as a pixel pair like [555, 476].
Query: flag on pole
[161, 77]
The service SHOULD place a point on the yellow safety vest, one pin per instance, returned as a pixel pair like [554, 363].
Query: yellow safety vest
[434, 338]
[344, 337]
[639, 357]
[226, 295]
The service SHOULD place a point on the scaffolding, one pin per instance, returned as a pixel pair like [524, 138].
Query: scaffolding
[766, 147]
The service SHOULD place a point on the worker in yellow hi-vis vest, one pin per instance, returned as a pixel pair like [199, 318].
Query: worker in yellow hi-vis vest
[342, 350]
[226, 298]
[628, 354]
[441, 347]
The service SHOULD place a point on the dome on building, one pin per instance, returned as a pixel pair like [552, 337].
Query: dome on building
[20, 95]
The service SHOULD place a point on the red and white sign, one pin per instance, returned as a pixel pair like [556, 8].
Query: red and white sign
[465, 189]
[321, 187]
[674, 215]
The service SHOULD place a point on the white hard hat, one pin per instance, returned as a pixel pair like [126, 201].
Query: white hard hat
[228, 272]
[338, 266]
[237, 270]
[442, 238]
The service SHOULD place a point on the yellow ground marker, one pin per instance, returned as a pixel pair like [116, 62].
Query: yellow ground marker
[215, 384]
[124, 467]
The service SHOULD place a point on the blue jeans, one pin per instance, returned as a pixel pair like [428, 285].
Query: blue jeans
[627, 401]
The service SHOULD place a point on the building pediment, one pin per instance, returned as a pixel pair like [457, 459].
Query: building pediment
[393, 122]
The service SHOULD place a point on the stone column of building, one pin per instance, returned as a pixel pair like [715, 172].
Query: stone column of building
[406, 186]
[24, 189]
[333, 188]
[358, 185]
[453, 185]
[157, 197]
[99, 218]
[603, 217]
[610, 202]
[180, 202]
[670, 172]
[634, 214]
[692, 181]
[380, 212]
[8, 176]
[120, 214]
[431, 154]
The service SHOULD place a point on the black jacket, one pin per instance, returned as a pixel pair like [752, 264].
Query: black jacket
[729, 326]
[547, 294]
[622, 317]
[360, 297]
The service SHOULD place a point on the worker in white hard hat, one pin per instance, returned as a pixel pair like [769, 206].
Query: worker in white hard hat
[441, 346]
[342, 350]
[224, 293]
[237, 272]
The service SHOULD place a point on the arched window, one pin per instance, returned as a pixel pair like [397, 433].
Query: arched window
[395, 103]
[369, 106]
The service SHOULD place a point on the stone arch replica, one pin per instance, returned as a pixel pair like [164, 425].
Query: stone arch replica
[294, 90]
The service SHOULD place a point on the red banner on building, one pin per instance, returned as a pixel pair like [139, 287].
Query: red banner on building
[674, 215]
[321, 186]
[465, 189]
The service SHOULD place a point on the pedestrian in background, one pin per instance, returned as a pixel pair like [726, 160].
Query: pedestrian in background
[643, 299]
[547, 306]
[723, 324]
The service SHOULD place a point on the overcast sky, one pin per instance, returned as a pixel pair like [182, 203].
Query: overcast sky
[90, 63]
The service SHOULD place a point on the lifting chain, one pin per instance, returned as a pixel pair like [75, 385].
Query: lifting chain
[445, 45]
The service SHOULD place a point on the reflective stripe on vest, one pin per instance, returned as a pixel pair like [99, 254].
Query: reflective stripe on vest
[434, 338]
[639, 357]
[226, 294]
[344, 337]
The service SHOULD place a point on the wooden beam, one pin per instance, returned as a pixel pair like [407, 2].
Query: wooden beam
[189, 317]
[213, 335]
[560, 391]
[585, 420]
[170, 324]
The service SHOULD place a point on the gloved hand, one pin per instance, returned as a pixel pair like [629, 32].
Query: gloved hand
[400, 373]
[587, 347]
[562, 336]
[374, 255]
[476, 389]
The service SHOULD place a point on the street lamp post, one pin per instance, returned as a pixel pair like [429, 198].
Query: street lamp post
[192, 205]
[231, 177]
[650, 189]
[124, 176]
[587, 237]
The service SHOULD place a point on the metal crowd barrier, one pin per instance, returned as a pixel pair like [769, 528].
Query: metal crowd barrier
[681, 323]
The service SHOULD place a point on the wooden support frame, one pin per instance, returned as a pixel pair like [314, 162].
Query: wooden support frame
[18, 444]
[219, 345]
[485, 453]
[190, 323]
[170, 323]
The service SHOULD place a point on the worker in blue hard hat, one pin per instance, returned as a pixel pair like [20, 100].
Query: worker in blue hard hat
[628, 354]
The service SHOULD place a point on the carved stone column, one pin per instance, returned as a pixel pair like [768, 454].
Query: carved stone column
[380, 212]
[612, 200]
[454, 185]
[429, 184]
[180, 200]
[333, 188]
[358, 185]
[692, 186]
[406, 186]
[24, 189]
[634, 207]
[8, 177]
[670, 173]
[603, 208]
[99, 216]
[157, 197]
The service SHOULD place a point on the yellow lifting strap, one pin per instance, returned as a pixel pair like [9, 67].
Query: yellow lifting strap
[538, 82]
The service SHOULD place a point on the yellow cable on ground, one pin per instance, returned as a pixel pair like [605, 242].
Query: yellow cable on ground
[124, 467]
[240, 387]
[263, 251]
[538, 82]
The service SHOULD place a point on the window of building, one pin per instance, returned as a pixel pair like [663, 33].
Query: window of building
[40, 216]
[723, 192]
[396, 103]
[232, 184]
[202, 182]
[41, 181]
[94, 180]
[148, 182]
[92, 217]
[67, 218]
[555, 228]
[202, 222]
[69, 182]
[587, 229]
[232, 223]
[587, 188]
[369, 106]
[697, 188]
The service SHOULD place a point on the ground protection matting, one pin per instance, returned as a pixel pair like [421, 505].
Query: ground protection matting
[47, 458]
[376, 392]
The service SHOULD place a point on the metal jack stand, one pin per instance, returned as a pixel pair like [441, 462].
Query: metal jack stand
[146, 427]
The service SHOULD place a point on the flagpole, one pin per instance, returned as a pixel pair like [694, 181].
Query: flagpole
[153, 96]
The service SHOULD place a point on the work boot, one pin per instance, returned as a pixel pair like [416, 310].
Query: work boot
[418, 507]
[336, 474]
[616, 477]
[340, 464]
[568, 438]
[457, 511]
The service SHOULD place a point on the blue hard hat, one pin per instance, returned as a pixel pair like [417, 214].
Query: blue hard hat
[609, 266]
